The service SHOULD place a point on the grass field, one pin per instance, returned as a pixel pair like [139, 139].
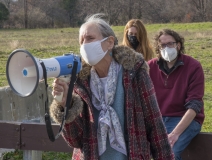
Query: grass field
[46, 43]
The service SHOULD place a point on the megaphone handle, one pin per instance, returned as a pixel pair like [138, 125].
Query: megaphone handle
[59, 98]
[68, 100]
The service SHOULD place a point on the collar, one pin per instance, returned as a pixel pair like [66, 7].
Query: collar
[163, 65]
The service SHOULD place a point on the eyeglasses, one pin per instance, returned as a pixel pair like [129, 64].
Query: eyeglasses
[170, 45]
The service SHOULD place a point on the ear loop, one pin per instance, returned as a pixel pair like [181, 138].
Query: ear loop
[108, 49]
[103, 39]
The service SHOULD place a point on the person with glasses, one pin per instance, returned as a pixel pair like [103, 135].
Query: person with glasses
[179, 84]
[135, 37]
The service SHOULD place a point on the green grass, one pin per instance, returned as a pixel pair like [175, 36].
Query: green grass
[46, 43]
[18, 155]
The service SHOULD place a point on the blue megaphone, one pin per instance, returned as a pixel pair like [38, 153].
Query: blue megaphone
[24, 71]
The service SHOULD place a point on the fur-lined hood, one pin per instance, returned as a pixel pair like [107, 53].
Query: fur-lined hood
[123, 55]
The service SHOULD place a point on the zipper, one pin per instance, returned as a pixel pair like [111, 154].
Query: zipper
[167, 75]
[165, 82]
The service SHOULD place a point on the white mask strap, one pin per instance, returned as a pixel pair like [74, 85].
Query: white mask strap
[103, 39]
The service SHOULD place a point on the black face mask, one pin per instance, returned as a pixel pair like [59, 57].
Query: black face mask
[133, 41]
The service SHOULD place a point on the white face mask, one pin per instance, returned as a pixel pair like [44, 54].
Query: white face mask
[92, 52]
[169, 54]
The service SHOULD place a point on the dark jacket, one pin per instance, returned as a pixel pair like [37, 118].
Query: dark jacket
[143, 123]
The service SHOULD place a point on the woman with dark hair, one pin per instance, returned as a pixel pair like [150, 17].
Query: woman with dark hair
[114, 112]
[135, 36]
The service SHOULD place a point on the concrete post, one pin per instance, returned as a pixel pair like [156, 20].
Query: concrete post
[27, 109]
[16, 108]
[32, 155]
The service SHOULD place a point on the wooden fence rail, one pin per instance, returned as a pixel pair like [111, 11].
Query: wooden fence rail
[31, 136]
[200, 148]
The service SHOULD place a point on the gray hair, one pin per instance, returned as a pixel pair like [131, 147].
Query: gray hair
[103, 26]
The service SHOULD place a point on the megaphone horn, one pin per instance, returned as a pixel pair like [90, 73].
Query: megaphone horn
[24, 71]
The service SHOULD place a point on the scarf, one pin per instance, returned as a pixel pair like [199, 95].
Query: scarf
[108, 121]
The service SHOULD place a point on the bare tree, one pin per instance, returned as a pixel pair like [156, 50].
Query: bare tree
[201, 6]
[111, 11]
[153, 11]
[64, 13]
[26, 13]
[6, 3]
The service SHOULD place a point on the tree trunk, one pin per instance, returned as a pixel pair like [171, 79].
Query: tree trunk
[25, 14]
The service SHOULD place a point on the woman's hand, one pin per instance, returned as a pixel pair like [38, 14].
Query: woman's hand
[60, 87]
